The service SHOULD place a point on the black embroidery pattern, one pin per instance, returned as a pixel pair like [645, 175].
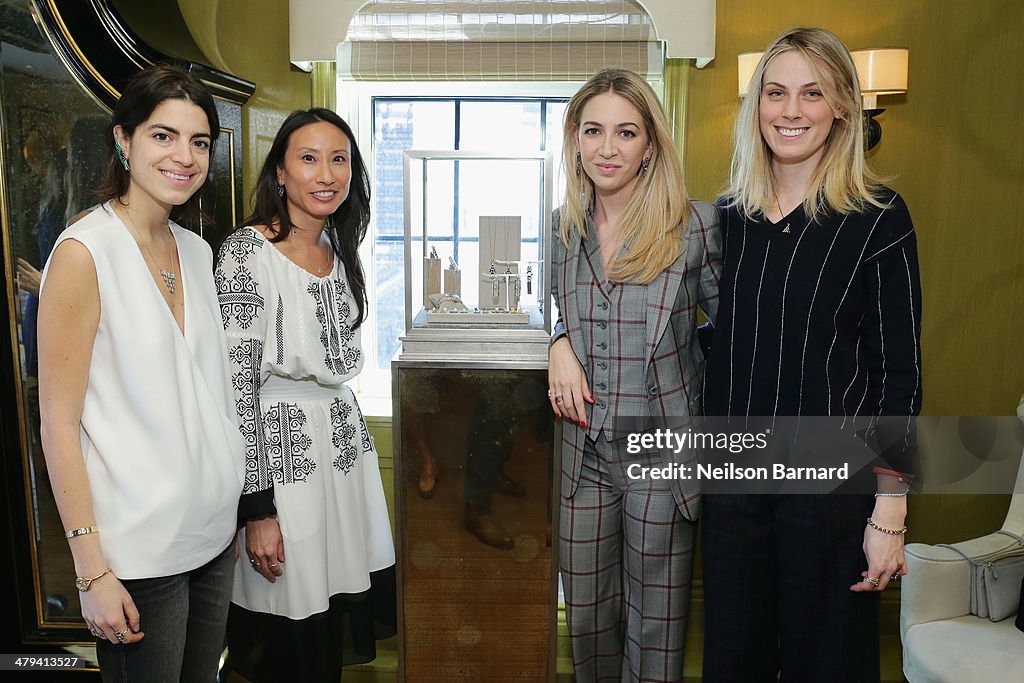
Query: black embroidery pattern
[279, 327]
[336, 336]
[287, 443]
[246, 357]
[237, 290]
[344, 433]
[365, 433]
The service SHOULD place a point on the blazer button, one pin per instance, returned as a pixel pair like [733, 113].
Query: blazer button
[653, 391]
[604, 305]
[602, 346]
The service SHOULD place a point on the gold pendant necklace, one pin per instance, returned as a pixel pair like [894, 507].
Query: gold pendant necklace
[327, 263]
[169, 277]
[778, 205]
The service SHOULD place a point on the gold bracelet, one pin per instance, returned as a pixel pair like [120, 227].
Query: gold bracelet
[80, 532]
[891, 532]
[84, 583]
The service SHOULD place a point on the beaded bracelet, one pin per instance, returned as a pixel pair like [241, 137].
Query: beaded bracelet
[891, 532]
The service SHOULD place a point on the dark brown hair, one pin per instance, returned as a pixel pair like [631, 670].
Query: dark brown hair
[143, 94]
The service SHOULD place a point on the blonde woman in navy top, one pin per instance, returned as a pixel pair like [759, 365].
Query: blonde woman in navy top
[820, 315]
[138, 425]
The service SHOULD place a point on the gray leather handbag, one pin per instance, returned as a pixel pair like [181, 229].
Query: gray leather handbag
[996, 580]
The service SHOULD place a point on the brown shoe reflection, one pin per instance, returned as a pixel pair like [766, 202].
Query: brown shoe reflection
[488, 530]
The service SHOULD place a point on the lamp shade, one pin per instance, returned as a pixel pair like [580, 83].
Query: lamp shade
[882, 71]
[746, 63]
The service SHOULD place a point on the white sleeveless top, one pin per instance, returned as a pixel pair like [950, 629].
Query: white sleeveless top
[159, 433]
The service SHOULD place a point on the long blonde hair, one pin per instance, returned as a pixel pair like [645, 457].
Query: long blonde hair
[649, 224]
[843, 181]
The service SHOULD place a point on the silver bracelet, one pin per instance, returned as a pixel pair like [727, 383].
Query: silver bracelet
[886, 494]
[80, 532]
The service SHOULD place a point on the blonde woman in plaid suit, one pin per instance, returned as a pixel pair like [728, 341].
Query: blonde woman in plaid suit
[632, 262]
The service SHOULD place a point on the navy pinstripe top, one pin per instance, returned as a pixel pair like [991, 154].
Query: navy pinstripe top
[818, 318]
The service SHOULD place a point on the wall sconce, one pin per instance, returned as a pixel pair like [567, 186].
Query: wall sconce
[881, 71]
[746, 63]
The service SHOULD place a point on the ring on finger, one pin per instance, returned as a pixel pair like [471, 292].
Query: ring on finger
[895, 577]
[558, 398]
[872, 580]
[272, 565]
[121, 637]
[551, 392]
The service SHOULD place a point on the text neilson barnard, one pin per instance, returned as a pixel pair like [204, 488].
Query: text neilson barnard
[731, 472]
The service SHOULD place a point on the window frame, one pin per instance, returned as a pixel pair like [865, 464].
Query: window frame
[355, 104]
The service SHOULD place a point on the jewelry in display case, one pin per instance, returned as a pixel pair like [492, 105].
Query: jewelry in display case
[475, 453]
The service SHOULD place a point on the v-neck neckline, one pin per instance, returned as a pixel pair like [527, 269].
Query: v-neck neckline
[155, 287]
[790, 224]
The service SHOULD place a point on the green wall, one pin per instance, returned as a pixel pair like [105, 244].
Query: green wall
[953, 146]
[249, 38]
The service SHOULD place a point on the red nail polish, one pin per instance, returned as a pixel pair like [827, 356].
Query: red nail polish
[584, 423]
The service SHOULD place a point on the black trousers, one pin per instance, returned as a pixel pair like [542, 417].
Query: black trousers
[777, 577]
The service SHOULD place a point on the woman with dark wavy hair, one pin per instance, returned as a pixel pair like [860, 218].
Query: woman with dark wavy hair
[315, 586]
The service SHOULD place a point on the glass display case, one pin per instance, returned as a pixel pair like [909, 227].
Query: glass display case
[474, 439]
[476, 274]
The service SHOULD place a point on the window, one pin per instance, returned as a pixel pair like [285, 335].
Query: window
[388, 123]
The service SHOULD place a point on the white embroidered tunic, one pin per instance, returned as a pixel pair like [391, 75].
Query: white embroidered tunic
[291, 348]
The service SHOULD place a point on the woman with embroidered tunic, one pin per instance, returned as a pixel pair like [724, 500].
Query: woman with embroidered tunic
[138, 428]
[315, 586]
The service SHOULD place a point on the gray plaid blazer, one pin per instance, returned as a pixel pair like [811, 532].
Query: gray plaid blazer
[675, 363]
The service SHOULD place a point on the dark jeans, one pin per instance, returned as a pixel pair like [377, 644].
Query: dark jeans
[183, 619]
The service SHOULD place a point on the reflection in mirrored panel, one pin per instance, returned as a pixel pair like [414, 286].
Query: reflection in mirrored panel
[475, 524]
[54, 135]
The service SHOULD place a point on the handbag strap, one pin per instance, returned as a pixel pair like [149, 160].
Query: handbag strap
[1012, 535]
[959, 552]
[979, 561]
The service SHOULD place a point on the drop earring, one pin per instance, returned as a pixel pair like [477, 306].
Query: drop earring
[646, 164]
[579, 165]
[280, 190]
[121, 156]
